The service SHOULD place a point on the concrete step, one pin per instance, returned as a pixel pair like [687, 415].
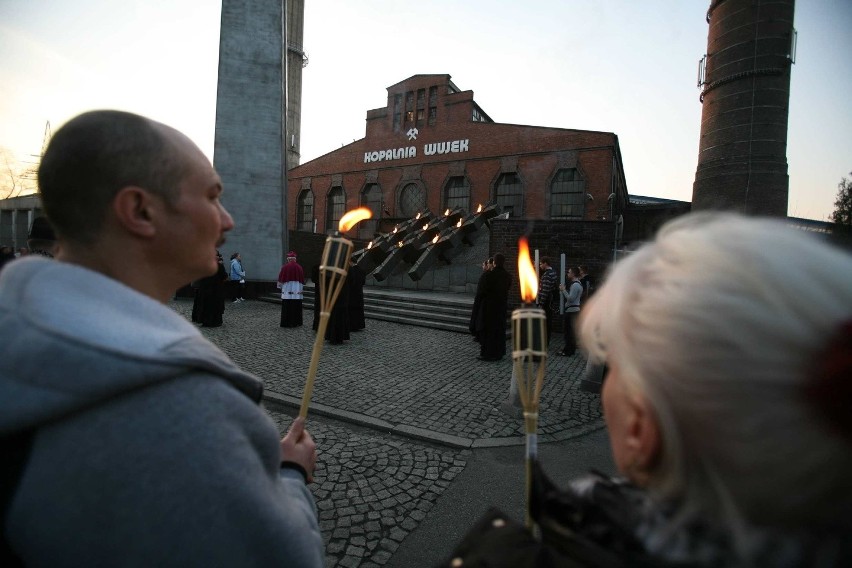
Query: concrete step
[437, 310]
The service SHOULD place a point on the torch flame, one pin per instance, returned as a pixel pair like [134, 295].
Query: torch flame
[426, 227]
[459, 223]
[447, 212]
[350, 218]
[369, 245]
[435, 240]
[526, 272]
[395, 229]
[400, 244]
[418, 215]
[479, 209]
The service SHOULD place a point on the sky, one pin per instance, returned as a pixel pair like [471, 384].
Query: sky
[618, 66]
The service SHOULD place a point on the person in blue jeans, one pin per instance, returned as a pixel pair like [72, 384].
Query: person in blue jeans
[572, 294]
[237, 276]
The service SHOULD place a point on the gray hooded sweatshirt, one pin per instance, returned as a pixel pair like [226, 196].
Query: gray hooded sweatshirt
[150, 448]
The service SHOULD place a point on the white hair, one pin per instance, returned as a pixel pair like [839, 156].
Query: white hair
[718, 323]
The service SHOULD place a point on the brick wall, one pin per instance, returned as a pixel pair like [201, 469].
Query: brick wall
[584, 242]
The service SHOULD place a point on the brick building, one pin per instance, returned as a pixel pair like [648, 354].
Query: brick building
[432, 147]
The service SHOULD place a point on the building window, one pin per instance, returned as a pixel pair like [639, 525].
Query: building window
[335, 208]
[510, 194]
[397, 112]
[409, 106]
[433, 106]
[371, 198]
[567, 195]
[421, 107]
[412, 200]
[457, 194]
[305, 211]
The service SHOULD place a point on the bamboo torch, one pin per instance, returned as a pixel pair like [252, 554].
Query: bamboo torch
[333, 270]
[529, 357]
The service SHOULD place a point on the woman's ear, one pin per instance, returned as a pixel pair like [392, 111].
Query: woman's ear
[134, 209]
[643, 441]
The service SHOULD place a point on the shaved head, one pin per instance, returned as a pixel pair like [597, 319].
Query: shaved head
[93, 156]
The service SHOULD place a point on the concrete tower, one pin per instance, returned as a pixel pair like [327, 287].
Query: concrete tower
[254, 142]
[296, 60]
[745, 77]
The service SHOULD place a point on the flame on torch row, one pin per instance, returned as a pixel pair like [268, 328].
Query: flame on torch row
[526, 272]
[350, 218]
[369, 245]
[447, 212]
[426, 227]
[459, 223]
[479, 209]
[435, 240]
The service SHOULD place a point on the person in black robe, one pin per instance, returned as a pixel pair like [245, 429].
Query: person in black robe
[356, 280]
[291, 282]
[212, 290]
[338, 323]
[494, 308]
[476, 323]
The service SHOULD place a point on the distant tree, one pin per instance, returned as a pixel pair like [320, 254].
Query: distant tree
[15, 179]
[842, 215]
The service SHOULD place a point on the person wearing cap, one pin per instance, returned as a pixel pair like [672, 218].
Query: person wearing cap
[291, 282]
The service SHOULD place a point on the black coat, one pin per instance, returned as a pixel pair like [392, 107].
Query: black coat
[493, 312]
[356, 280]
[212, 292]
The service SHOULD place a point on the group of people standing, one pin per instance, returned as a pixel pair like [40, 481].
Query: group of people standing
[490, 305]
[726, 400]
[572, 294]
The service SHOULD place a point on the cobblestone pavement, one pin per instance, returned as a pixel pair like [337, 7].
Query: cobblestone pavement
[411, 401]
[406, 379]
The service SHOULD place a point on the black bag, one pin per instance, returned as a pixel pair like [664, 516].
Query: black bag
[589, 530]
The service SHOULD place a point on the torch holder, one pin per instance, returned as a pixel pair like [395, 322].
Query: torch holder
[333, 270]
[529, 357]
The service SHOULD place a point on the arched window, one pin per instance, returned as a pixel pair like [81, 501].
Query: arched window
[305, 211]
[371, 198]
[567, 195]
[335, 208]
[412, 200]
[510, 194]
[457, 193]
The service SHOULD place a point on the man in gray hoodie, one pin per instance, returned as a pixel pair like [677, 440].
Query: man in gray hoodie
[127, 438]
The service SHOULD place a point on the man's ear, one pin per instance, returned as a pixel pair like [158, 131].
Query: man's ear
[134, 209]
[643, 439]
